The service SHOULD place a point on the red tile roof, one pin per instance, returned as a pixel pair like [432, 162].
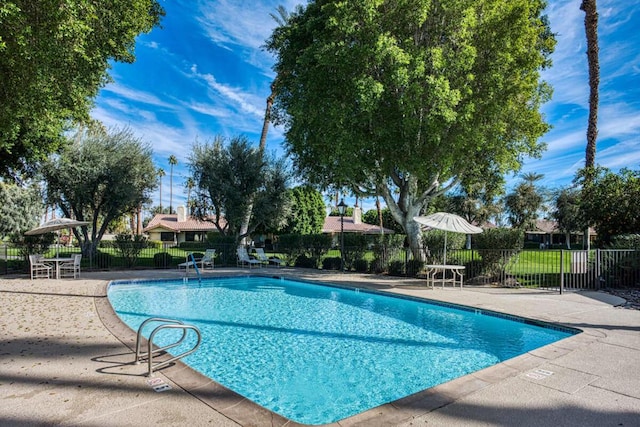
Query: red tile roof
[170, 222]
[332, 225]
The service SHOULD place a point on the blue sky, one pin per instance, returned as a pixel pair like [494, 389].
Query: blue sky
[204, 74]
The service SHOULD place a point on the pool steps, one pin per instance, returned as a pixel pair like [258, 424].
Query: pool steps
[164, 324]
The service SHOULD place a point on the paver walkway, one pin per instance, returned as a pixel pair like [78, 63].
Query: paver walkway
[61, 364]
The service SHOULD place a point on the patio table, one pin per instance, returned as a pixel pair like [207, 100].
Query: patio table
[455, 278]
[57, 262]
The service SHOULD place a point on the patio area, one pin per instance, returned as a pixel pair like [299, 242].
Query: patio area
[66, 360]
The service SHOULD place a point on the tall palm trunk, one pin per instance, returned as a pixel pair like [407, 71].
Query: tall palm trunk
[244, 227]
[591, 31]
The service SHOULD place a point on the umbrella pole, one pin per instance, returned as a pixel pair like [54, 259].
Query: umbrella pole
[445, 248]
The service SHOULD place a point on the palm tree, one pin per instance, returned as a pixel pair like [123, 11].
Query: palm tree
[160, 175]
[172, 161]
[190, 184]
[591, 31]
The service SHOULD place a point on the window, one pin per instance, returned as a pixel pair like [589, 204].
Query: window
[166, 236]
[190, 236]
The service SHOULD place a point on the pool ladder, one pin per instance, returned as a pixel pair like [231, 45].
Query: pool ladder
[165, 324]
[195, 266]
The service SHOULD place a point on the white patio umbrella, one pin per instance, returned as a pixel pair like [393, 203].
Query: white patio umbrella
[55, 225]
[447, 222]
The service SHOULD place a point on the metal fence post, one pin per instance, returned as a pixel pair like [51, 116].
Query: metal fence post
[561, 271]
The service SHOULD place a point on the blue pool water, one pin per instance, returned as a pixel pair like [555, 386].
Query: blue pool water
[317, 354]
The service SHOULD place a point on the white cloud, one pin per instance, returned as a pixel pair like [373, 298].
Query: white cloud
[243, 24]
[135, 95]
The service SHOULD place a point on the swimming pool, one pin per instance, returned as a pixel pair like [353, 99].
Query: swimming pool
[317, 354]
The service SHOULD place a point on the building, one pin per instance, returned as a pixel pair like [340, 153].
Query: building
[173, 229]
[546, 233]
[353, 224]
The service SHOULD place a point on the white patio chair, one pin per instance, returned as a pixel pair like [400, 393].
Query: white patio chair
[244, 259]
[38, 268]
[207, 260]
[260, 255]
[71, 269]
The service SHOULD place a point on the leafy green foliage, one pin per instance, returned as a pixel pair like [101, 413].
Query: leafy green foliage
[54, 57]
[434, 241]
[395, 98]
[567, 212]
[625, 241]
[98, 177]
[130, 247]
[610, 202]
[355, 246]
[497, 246]
[229, 177]
[162, 260]
[524, 203]
[307, 211]
[20, 209]
[371, 217]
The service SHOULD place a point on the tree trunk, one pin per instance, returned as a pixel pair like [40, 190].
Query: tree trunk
[139, 222]
[591, 31]
[244, 226]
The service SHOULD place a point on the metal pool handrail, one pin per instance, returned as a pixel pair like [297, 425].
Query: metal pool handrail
[166, 324]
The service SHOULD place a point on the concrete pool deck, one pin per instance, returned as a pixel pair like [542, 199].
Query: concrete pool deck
[65, 359]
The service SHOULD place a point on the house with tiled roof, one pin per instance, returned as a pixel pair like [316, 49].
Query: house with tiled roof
[352, 224]
[547, 232]
[173, 229]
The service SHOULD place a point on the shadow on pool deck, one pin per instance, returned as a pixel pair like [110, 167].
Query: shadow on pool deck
[66, 359]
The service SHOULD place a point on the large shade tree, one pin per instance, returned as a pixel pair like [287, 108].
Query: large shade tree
[54, 57]
[21, 208]
[525, 202]
[610, 202]
[405, 99]
[98, 177]
[229, 176]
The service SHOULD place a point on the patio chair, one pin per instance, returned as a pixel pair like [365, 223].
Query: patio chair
[244, 259]
[38, 268]
[260, 255]
[207, 260]
[71, 269]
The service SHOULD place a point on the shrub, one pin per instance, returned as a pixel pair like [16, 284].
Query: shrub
[378, 266]
[361, 265]
[414, 266]
[130, 247]
[396, 268]
[433, 240]
[316, 245]
[193, 246]
[625, 241]
[387, 247]
[331, 263]
[355, 246]
[104, 260]
[162, 260]
[304, 261]
[497, 247]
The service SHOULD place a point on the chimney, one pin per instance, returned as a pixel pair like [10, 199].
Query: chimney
[182, 213]
[357, 215]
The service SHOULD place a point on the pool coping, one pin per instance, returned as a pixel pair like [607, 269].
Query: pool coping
[245, 412]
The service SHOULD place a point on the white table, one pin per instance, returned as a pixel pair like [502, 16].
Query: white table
[57, 262]
[456, 277]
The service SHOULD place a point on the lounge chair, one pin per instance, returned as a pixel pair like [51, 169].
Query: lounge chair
[244, 259]
[260, 255]
[39, 268]
[71, 269]
[207, 260]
